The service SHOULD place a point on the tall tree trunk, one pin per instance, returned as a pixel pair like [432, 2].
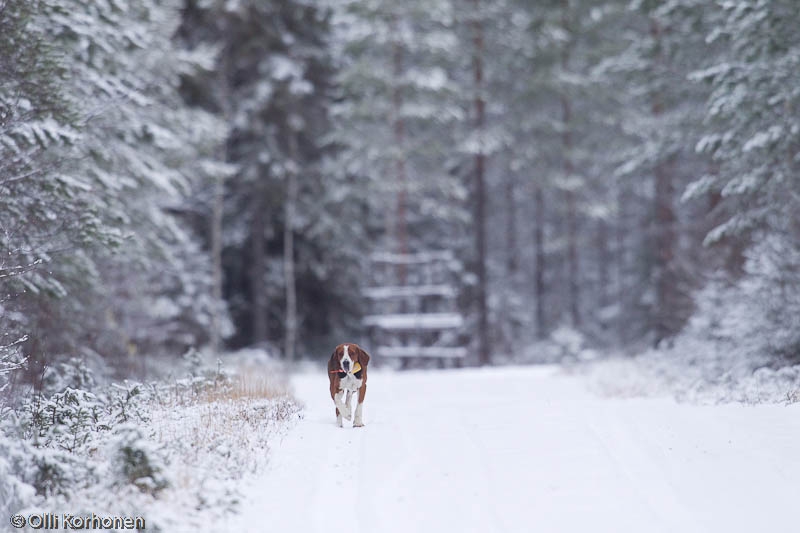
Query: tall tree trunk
[666, 282]
[732, 248]
[512, 254]
[399, 129]
[569, 170]
[508, 288]
[619, 256]
[216, 264]
[572, 258]
[258, 265]
[538, 241]
[603, 261]
[217, 211]
[288, 249]
[480, 189]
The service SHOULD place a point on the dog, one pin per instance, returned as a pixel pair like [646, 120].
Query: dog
[347, 371]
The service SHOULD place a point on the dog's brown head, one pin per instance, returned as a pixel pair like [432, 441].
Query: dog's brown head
[345, 357]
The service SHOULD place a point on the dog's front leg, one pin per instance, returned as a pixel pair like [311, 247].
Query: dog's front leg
[344, 411]
[348, 405]
[359, 419]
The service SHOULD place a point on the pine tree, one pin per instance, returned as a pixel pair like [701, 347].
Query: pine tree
[275, 89]
[753, 137]
[394, 112]
[44, 210]
[660, 120]
[755, 151]
[111, 182]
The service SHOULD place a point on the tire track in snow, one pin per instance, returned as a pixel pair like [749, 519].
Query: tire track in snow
[525, 449]
[641, 472]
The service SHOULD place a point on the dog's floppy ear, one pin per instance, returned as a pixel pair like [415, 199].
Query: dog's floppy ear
[333, 362]
[363, 356]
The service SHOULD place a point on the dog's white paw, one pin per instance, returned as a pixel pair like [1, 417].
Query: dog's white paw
[347, 415]
[339, 420]
[358, 424]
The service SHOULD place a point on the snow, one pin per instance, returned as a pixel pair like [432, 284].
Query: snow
[409, 321]
[526, 449]
[172, 451]
[412, 290]
[422, 257]
[441, 352]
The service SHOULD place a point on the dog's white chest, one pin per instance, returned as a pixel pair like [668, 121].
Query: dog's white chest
[349, 382]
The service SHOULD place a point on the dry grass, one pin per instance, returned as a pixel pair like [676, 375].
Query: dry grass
[248, 384]
[224, 421]
[793, 397]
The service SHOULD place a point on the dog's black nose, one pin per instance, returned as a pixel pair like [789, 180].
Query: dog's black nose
[346, 365]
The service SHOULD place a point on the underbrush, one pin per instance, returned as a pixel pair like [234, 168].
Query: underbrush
[171, 451]
[742, 343]
[697, 371]
[732, 350]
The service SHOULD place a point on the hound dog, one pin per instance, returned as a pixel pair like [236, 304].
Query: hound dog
[347, 371]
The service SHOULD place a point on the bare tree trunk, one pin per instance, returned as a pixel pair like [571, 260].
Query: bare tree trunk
[512, 254]
[399, 128]
[512, 263]
[603, 261]
[572, 258]
[666, 282]
[216, 264]
[733, 249]
[217, 214]
[538, 236]
[480, 191]
[258, 265]
[665, 253]
[619, 256]
[288, 250]
[569, 169]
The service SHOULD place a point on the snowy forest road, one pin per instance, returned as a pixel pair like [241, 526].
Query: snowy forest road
[526, 449]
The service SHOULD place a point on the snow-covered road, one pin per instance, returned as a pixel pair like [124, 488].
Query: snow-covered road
[522, 450]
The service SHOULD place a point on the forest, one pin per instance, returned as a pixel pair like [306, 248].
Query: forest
[216, 174]
[194, 189]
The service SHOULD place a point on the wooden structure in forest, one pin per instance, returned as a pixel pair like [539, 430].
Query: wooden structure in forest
[414, 309]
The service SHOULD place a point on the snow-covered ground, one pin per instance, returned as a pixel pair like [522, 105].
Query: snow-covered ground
[526, 449]
[171, 451]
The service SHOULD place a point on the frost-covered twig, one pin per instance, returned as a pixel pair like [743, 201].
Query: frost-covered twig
[17, 270]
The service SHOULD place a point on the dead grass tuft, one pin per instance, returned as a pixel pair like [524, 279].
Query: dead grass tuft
[223, 419]
[248, 384]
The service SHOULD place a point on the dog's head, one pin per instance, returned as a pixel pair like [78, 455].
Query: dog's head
[345, 357]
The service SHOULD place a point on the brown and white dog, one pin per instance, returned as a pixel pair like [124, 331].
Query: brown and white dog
[347, 370]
